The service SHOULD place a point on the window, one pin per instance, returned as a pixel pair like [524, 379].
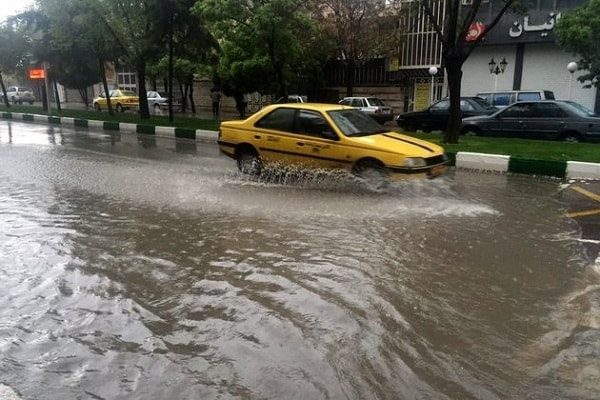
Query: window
[374, 101]
[548, 110]
[501, 99]
[281, 119]
[529, 96]
[355, 123]
[311, 123]
[520, 110]
[465, 106]
[486, 96]
[357, 103]
[443, 105]
[548, 95]
[346, 102]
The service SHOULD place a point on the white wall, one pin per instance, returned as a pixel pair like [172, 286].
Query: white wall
[545, 67]
[476, 72]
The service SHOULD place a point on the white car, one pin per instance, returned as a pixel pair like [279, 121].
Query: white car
[372, 106]
[18, 94]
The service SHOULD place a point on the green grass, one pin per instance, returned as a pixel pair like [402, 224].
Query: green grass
[129, 117]
[521, 148]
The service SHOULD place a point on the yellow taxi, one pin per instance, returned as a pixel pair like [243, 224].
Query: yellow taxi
[328, 136]
[120, 99]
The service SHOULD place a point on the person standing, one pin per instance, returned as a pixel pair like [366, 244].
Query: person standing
[215, 97]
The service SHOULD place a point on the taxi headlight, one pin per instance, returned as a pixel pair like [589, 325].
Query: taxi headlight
[414, 162]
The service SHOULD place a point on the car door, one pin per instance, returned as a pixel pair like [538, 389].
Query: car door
[274, 137]
[510, 122]
[316, 140]
[545, 121]
[437, 116]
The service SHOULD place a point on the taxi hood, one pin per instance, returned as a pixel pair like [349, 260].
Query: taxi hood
[399, 143]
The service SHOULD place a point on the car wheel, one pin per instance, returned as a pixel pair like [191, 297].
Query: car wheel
[157, 109]
[31, 103]
[97, 107]
[471, 131]
[120, 108]
[373, 173]
[571, 138]
[249, 163]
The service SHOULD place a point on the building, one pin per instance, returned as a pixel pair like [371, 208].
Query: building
[525, 42]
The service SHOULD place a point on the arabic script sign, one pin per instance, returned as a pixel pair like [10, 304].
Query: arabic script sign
[36, 73]
[519, 27]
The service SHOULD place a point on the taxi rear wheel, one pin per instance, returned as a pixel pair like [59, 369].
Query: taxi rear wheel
[97, 107]
[120, 108]
[249, 163]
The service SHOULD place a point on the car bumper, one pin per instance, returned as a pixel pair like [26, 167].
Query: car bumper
[428, 172]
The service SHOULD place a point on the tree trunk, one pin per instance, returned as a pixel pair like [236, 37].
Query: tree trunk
[142, 94]
[183, 99]
[83, 93]
[105, 85]
[192, 103]
[350, 68]
[56, 96]
[454, 74]
[4, 95]
[171, 62]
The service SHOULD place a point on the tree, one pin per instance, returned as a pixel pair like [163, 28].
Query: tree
[360, 30]
[14, 53]
[260, 47]
[452, 29]
[579, 33]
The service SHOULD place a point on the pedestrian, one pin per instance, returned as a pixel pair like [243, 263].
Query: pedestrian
[215, 97]
[240, 104]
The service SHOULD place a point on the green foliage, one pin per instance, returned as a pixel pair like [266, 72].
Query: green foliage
[260, 42]
[579, 33]
[14, 49]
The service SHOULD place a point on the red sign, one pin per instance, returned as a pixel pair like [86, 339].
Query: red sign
[36, 73]
[475, 30]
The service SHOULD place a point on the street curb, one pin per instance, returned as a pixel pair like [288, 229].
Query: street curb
[462, 160]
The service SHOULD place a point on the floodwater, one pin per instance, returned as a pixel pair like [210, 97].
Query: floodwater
[151, 270]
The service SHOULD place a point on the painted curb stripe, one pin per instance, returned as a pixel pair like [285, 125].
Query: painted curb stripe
[482, 161]
[146, 129]
[27, 117]
[54, 120]
[7, 115]
[83, 123]
[577, 169]
[110, 126]
[537, 167]
[185, 133]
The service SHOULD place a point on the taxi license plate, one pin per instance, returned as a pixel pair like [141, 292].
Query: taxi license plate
[437, 170]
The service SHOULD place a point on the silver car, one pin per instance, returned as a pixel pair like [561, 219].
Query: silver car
[19, 94]
[157, 101]
[371, 106]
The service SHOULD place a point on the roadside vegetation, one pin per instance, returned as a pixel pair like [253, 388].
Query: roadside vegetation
[522, 148]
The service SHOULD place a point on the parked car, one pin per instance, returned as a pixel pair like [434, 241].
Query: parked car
[504, 98]
[292, 98]
[436, 116]
[121, 100]
[19, 94]
[549, 120]
[371, 106]
[327, 136]
[157, 101]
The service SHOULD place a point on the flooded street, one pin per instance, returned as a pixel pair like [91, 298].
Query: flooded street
[153, 270]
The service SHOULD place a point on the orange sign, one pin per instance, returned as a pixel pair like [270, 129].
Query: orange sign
[36, 73]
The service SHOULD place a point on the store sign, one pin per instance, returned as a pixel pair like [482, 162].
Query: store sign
[37, 73]
[475, 30]
[520, 26]
[422, 96]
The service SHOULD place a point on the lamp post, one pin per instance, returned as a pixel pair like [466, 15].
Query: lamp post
[432, 72]
[571, 67]
[497, 69]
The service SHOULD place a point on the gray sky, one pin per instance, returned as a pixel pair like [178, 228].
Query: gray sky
[11, 7]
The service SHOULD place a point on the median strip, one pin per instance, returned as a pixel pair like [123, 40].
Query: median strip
[462, 160]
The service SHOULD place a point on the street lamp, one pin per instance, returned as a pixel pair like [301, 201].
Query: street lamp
[497, 69]
[432, 72]
[571, 67]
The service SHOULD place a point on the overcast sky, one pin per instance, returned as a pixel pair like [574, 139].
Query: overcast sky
[11, 7]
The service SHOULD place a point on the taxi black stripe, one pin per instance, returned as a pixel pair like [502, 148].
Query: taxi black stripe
[306, 155]
[411, 142]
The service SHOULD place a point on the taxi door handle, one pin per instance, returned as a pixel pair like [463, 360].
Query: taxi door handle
[256, 136]
[300, 143]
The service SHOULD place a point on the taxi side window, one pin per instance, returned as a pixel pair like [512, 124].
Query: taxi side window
[312, 123]
[281, 119]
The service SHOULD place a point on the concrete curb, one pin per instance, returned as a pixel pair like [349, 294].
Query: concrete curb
[462, 160]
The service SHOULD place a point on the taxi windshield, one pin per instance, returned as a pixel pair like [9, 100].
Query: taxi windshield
[354, 122]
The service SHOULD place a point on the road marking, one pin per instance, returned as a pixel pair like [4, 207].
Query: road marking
[586, 193]
[584, 213]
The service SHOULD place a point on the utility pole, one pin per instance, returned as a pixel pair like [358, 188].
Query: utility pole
[48, 105]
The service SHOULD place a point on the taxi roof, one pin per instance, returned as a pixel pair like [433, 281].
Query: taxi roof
[312, 106]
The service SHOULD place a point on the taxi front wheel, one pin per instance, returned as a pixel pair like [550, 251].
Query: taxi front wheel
[249, 163]
[373, 173]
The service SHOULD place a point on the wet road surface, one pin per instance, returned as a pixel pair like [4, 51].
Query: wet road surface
[151, 269]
